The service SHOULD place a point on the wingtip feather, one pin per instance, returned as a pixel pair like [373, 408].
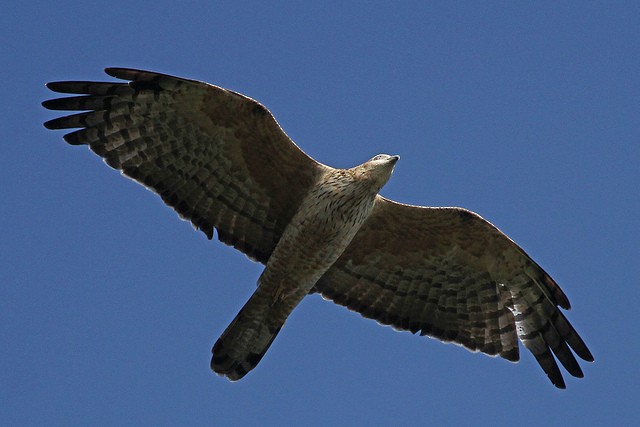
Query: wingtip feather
[131, 74]
[50, 124]
[120, 72]
[74, 139]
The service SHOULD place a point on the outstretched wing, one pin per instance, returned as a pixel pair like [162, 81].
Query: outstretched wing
[449, 274]
[218, 158]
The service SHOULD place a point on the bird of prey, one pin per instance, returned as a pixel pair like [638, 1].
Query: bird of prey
[221, 161]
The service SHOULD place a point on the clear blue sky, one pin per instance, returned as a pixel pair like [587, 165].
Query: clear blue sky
[526, 113]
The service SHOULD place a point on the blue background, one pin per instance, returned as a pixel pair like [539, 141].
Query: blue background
[525, 112]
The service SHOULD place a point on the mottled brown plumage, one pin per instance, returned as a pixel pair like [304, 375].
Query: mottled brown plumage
[221, 161]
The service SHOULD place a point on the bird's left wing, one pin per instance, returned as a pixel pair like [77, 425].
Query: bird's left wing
[449, 274]
[218, 158]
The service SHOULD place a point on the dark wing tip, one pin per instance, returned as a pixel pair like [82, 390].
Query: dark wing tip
[580, 348]
[586, 355]
[134, 74]
[73, 138]
[558, 294]
[70, 86]
[51, 124]
[53, 104]
[559, 383]
[123, 73]
[56, 86]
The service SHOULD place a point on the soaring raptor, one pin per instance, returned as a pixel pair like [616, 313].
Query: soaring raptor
[221, 161]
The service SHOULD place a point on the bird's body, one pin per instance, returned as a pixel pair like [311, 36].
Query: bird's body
[222, 162]
[322, 228]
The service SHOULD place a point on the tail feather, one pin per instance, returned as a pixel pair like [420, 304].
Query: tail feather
[247, 338]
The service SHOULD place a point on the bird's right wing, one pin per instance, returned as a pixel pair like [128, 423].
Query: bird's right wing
[218, 158]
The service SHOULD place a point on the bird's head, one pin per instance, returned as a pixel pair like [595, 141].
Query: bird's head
[378, 169]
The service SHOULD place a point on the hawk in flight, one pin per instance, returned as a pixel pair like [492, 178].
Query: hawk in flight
[221, 161]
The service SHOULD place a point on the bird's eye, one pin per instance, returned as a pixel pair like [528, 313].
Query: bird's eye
[378, 157]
